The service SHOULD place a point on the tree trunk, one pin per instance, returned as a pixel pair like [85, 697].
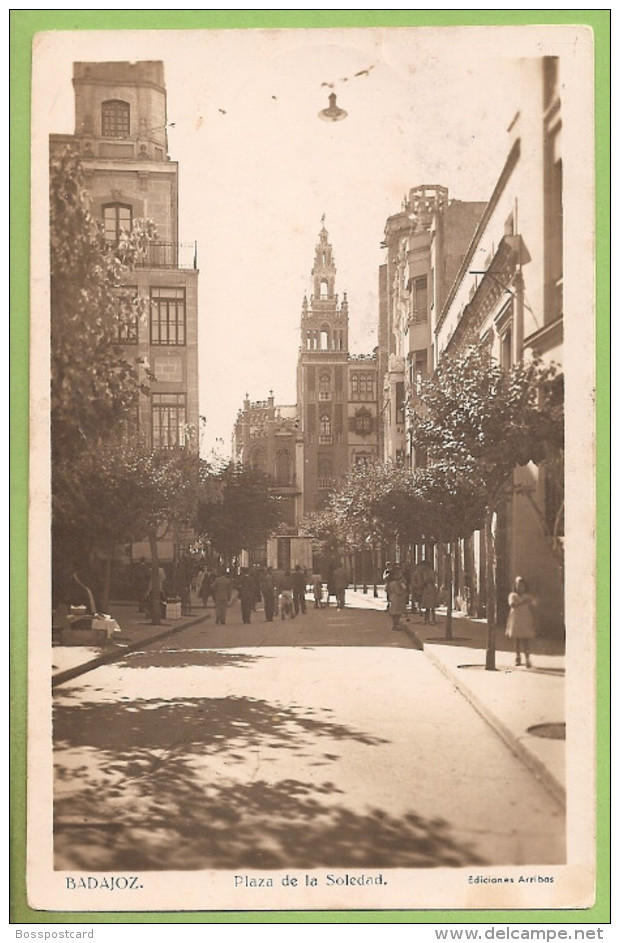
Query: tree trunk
[490, 589]
[107, 576]
[375, 590]
[155, 587]
[448, 566]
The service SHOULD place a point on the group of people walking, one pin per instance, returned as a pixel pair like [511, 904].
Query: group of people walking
[281, 592]
[420, 584]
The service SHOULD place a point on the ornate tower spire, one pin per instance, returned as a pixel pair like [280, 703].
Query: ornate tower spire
[324, 268]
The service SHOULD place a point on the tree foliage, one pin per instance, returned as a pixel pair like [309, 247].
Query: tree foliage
[483, 422]
[486, 421]
[93, 384]
[123, 491]
[245, 514]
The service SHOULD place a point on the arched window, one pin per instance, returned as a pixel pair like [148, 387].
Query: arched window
[323, 289]
[115, 119]
[116, 219]
[324, 338]
[325, 429]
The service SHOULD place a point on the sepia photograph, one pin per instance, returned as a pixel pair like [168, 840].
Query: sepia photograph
[312, 562]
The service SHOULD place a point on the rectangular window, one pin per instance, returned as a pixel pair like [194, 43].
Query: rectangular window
[420, 300]
[400, 401]
[115, 119]
[168, 419]
[418, 369]
[168, 317]
[116, 220]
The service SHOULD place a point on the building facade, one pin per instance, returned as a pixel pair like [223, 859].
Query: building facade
[336, 390]
[121, 138]
[508, 296]
[425, 243]
[307, 449]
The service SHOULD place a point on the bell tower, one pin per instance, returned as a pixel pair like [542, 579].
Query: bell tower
[322, 379]
[324, 321]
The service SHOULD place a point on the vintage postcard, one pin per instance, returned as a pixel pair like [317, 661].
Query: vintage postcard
[312, 612]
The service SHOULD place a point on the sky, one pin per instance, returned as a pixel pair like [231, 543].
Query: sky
[258, 168]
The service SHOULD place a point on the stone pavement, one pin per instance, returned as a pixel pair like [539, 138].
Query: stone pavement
[524, 706]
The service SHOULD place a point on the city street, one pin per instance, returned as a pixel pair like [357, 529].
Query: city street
[325, 741]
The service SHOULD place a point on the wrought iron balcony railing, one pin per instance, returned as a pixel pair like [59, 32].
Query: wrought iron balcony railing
[169, 255]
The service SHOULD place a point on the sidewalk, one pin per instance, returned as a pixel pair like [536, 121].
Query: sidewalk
[71, 658]
[524, 706]
[513, 700]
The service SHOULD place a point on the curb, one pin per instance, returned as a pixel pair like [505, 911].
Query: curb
[542, 773]
[116, 653]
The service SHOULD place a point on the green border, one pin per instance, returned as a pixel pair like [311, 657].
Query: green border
[23, 25]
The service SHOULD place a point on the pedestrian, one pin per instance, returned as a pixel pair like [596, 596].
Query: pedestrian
[247, 596]
[299, 590]
[286, 596]
[204, 586]
[331, 586]
[255, 577]
[317, 589]
[222, 594]
[417, 587]
[340, 585]
[430, 594]
[397, 595]
[141, 582]
[387, 576]
[521, 623]
[182, 582]
[268, 591]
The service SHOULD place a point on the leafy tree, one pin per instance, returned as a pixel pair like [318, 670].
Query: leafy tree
[124, 491]
[451, 507]
[93, 384]
[484, 422]
[245, 516]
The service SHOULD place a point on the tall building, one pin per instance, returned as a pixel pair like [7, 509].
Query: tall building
[425, 243]
[336, 390]
[121, 137]
[508, 296]
[307, 449]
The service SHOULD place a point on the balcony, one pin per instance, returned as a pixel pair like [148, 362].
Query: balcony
[183, 255]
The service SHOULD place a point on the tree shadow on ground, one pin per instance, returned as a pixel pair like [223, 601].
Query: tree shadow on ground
[199, 722]
[259, 825]
[187, 657]
[539, 645]
[151, 785]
